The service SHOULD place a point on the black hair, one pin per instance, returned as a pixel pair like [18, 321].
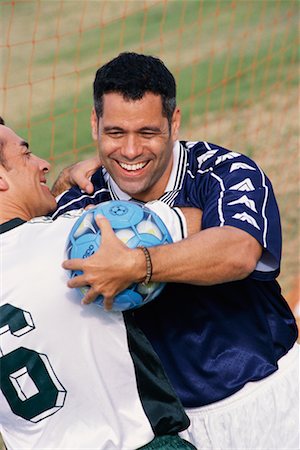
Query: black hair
[132, 75]
[2, 158]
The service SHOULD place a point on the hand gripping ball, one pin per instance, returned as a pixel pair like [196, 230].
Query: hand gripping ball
[135, 225]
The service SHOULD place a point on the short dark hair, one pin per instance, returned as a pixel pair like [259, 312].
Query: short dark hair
[132, 75]
[2, 158]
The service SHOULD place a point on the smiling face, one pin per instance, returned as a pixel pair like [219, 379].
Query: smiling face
[135, 143]
[23, 190]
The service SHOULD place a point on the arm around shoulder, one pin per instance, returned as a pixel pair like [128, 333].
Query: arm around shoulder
[77, 174]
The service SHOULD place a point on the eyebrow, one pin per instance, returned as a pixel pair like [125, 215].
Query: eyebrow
[140, 130]
[24, 144]
[112, 127]
[150, 128]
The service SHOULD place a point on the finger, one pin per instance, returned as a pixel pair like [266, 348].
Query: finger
[73, 264]
[89, 187]
[90, 207]
[108, 303]
[82, 181]
[78, 281]
[105, 226]
[90, 296]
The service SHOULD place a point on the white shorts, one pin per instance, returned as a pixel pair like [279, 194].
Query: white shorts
[262, 415]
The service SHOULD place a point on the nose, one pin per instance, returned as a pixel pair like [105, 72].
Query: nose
[44, 165]
[132, 147]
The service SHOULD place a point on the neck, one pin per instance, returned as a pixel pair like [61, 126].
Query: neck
[11, 211]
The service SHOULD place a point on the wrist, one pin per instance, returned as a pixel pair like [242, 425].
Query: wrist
[148, 263]
[139, 265]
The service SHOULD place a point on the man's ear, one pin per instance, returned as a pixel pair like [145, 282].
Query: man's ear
[94, 125]
[176, 120]
[3, 184]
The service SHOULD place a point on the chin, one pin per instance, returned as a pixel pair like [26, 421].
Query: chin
[132, 188]
[136, 194]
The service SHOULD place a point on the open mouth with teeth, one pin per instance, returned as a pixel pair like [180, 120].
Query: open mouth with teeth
[43, 182]
[44, 185]
[132, 167]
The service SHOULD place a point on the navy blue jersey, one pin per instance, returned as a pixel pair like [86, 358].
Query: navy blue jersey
[214, 339]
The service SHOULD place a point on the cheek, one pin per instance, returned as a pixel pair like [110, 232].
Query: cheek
[166, 151]
[107, 147]
[159, 147]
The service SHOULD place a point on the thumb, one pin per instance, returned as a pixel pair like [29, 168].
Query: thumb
[104, 226]
[88, 187]
[82, 181]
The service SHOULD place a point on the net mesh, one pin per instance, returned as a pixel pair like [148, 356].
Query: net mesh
[235, 62]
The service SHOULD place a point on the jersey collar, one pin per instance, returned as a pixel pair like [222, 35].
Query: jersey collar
[13, 223]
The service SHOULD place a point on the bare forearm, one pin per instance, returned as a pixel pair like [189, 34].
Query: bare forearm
[212, 256]
[207, 257]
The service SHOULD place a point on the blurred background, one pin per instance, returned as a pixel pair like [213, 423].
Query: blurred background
[236, 64]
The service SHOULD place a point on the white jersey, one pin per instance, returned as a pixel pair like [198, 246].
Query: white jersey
[70, 373]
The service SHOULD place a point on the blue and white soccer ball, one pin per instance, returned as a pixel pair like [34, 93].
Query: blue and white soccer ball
[135, 225]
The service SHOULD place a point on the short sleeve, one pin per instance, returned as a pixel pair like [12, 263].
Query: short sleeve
[231, 189]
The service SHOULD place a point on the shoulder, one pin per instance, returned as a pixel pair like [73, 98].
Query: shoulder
[210, 164]
[76, 198]
[46, 232]
[204, 156]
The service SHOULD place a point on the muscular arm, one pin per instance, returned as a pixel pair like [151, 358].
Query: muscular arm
[212, 256]
[207, 257]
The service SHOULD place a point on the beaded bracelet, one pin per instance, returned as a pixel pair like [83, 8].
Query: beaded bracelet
[148, 265]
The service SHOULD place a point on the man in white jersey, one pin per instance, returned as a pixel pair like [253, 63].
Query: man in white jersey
[71, 377]
[223, 331]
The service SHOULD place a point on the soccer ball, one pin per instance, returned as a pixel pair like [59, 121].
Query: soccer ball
[133, 224]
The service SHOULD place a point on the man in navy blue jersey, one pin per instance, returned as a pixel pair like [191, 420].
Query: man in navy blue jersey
[224, 333]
